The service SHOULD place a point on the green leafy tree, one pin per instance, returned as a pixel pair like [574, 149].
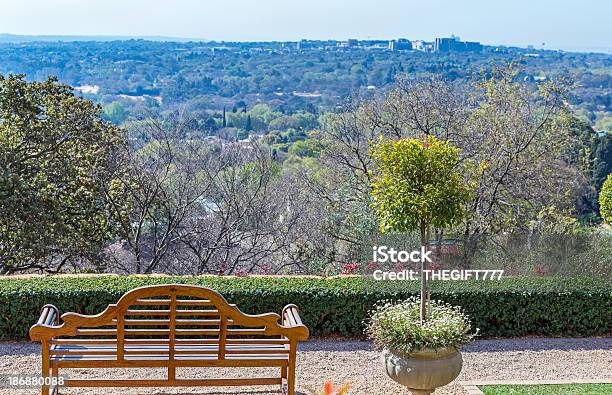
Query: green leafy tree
[55, 156]
[242, 134]
[418, 184]
[116, 113]
[310, 148]
[602, 159]
[605, 199]
[249, 124]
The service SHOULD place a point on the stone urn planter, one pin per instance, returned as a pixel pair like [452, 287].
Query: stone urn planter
[423, 371]
[420, 355]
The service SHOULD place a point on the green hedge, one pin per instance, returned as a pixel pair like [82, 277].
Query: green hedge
[338, 306]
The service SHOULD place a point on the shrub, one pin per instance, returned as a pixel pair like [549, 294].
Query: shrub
[339, 305]
[395, 326]
[605, 199]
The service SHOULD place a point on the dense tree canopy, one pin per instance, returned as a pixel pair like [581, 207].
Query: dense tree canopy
[55, 152]
[418, 184]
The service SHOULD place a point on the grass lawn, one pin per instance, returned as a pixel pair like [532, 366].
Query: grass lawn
[552, 389]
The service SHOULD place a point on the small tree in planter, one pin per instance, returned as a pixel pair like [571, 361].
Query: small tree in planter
[419, 184]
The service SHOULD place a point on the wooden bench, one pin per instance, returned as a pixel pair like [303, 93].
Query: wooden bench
[170, 326]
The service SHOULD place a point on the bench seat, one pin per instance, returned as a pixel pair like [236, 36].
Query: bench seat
[105, 352]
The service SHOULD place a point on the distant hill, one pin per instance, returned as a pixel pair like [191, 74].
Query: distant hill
[159, 74]
[17, 38]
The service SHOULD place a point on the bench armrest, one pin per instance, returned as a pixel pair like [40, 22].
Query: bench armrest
[49, 318]
[291, 316]
[49, 315]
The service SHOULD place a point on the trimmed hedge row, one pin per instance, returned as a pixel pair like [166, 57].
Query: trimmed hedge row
[338, 306]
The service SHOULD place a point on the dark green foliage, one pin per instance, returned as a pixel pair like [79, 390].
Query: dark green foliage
[56, 160]
[339, 306]
[602, 159]
[418, 184]
[595, 149]
[309, 148]
[115, 112]
[605, 199]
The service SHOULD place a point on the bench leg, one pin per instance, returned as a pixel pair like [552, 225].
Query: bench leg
[283, 374]
[44, 390]
[291, 383]
[291, 368]
[283, 386]
[55, 373]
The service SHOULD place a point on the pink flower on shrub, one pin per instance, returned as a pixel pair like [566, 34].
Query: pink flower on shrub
[266, 268]
[540, 270]
[241, 273]
[371, 266]
[435, 266]
[350, 268]
[399, 267]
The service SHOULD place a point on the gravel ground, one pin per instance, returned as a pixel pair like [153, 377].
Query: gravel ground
[355, 361]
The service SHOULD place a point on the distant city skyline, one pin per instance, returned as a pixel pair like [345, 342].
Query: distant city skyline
[570, 25]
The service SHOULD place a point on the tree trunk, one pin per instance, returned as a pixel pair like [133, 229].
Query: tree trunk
[424, 237]
[470, 243]
[423, 301]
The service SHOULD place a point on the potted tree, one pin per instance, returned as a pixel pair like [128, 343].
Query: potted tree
[419, 356]
[417, 185]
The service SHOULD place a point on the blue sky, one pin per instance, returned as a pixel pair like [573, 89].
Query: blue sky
[565, 24]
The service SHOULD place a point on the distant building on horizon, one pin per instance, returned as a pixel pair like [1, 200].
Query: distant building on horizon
[401, 44]
[424, 46]
[305, 44]
[350, 43]
[453, 44]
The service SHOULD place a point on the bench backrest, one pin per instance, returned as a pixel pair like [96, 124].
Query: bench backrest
[173, 315]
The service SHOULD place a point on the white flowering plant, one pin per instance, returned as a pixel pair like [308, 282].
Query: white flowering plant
[395, 326]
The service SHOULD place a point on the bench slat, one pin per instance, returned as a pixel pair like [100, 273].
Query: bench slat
[179, 312]
[111, 332]
[113, 346]
[179, 302]
[165, 341]
[208, 357]
[180, 361]
[174, 383]
[177, 351]
[167, 322]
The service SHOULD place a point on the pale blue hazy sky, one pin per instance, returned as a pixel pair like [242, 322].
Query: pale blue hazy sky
[565, 24]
